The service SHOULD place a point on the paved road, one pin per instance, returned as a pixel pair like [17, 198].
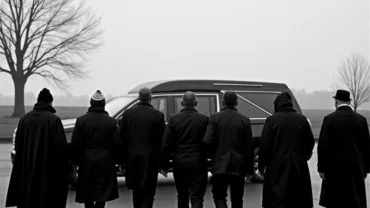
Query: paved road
[166, 193]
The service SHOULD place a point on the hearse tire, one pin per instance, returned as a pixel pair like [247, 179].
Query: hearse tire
[73, 180]
[255, 178]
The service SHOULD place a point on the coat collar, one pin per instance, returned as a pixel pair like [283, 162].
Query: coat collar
[344, 108]
[41, 106]
[229, 107]
[188, 109]
[145, 104]
[97, 109]
[285, 109]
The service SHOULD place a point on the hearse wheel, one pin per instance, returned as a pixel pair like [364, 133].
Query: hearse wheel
[73, 177]
[256, 178]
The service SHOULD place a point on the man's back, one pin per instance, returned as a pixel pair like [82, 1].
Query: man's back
[41, 149]
[230, 136]
[346, 136]
[143, 127]
[184, 137]
[291, 132]
[188, 128]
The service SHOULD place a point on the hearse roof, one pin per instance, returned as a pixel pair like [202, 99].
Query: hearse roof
[208, 85]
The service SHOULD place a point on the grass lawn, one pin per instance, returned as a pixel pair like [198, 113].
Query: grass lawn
[7, 124]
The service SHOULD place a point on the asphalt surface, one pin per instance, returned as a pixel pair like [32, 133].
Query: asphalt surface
[166, 192]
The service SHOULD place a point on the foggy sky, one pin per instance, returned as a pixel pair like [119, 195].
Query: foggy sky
[300, 43]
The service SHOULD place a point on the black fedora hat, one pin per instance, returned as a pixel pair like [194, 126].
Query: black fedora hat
[342, 95]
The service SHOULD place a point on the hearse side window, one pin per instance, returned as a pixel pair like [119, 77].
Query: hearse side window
[160, 103]
[262, 99]
[206, 104]
[249, 110]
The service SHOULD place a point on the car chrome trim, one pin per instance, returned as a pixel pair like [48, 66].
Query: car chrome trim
[232, 84]
[250, 102]
[273, 92]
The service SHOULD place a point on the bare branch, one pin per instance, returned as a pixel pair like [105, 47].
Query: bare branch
[354, 73]
[4, 70]
[48, 38]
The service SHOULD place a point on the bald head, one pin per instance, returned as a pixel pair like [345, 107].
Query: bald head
[189, 99]
[145, 94]
[230, 99]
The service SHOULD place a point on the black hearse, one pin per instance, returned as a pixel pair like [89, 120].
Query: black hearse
[255, 101]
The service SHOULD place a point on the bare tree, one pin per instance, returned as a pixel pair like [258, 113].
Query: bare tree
[354, 73]
[48, 38]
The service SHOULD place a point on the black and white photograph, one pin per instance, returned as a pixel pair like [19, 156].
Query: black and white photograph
[184, 104]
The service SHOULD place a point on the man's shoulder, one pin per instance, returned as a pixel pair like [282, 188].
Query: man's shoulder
[291, 114]
[46, 114]
[233, 113]
[360, 118]
[202, 116]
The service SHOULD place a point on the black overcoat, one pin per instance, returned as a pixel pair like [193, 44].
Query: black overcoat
[39, 176]
[286, 146]
[344, 158]
[141, 130]
[229, 139]
[183, 138]
[95, 142]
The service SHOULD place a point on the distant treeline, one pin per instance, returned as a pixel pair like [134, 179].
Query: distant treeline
[65, 100]
[315, 100]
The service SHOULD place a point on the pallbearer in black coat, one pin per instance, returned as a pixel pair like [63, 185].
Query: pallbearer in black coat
[95, 142]
[229, 136]
[39, 176]
[184, 139]
[343, 156]
[142, 129]
[286, 146]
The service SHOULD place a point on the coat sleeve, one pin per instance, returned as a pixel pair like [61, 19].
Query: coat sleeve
[161, 128]
[123, 135]
[60, 166]
[308, 140]
[77, 142]
[366, 146]
[14, 187]
[249, 158]
[59, 143]
[117, 144]
[210, 135]
[167, 145]
[266, 146]
[323, 146]
[59, 155]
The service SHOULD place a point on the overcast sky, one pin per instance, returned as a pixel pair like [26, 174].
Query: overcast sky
[297, 42]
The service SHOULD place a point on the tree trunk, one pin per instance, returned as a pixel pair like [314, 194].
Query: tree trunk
[19, 84]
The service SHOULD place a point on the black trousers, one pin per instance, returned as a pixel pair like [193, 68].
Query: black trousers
[143, 197]
[219, 190]
[190, 185]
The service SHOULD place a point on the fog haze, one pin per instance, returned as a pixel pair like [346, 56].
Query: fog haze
[300, 43]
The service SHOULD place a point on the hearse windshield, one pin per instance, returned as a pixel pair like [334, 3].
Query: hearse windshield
[114, 105]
